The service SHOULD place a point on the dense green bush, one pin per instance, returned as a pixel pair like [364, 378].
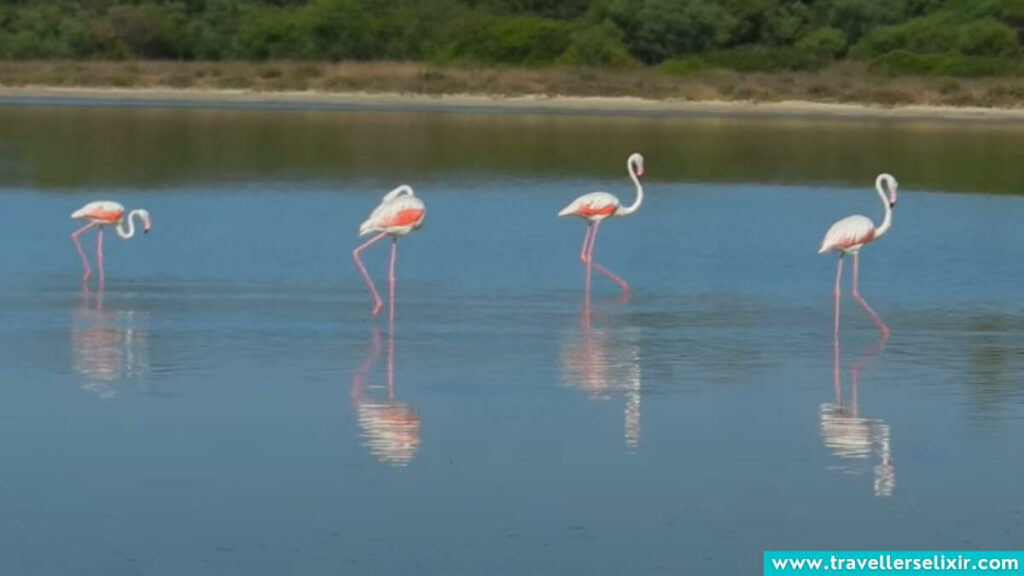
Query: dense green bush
[600, 45]
[824, 43]
[962, 37]
[761, 59]
[987, 38]
[904, 62]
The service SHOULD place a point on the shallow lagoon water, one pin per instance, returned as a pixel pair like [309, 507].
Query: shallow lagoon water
[227, 405]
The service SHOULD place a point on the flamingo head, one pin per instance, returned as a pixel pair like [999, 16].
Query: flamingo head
[886, 182]
[146, 223]
[636, 164]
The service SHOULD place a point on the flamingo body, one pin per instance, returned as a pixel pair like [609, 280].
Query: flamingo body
[592, 207]
[100, 212]
[848, 235]
[397, 217]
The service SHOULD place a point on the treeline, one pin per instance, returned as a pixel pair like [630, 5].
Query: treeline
[945, 37]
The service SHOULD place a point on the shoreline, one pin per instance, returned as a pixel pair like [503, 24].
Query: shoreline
[203, 98]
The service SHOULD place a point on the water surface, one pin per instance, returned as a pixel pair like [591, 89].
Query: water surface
[228, 406]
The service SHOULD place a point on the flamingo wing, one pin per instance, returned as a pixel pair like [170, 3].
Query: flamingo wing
[850, 233]
[593, 205]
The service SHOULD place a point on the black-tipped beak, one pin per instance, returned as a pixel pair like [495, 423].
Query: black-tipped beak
[892, 204]
[146, 231]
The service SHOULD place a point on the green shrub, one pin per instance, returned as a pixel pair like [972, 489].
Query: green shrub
[976, 66]
[987, 38]
[600, 45]
[760, 59]
[934, 34]
[684, 65]
[670, 28]
[827, 43]
[512, 39]
[904, 62]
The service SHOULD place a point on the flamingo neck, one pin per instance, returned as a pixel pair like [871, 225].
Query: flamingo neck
[627, 210]
[887, 220]
[404, 189]
[126, 234]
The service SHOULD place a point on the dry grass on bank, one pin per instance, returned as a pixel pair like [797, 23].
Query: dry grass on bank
[841, 83]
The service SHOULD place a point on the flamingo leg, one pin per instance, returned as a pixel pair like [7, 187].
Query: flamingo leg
[81, 254]
[377, 303]
[835, 301]
[585, 259]
[391, 286]
[863, 304]
[590, 257]
[99, 254]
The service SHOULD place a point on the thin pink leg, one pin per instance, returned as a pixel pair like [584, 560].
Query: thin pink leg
[590, 256]
[835, 300]
[81, 254]
[99, 254]
[863, 304]
[586, 260]
[377, 303]
[391, 322]
[391, 286]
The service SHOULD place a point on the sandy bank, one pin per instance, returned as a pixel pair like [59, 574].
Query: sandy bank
[241, 99]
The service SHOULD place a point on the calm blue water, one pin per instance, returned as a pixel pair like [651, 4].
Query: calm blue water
[227, 408]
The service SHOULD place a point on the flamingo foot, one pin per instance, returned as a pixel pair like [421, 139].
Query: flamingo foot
[376, 308]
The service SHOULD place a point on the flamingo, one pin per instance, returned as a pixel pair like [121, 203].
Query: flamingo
[594, 208]
[102, 213]
[399, 213]
[849, 235]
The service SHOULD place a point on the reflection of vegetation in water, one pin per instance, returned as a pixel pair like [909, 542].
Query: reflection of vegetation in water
[991, 357]
[54, 147]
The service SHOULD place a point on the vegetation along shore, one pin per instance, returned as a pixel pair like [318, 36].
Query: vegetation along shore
[881, 52]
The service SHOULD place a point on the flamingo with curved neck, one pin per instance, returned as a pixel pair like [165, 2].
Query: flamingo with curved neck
[852, 233]
[105, 213]
[596, 207]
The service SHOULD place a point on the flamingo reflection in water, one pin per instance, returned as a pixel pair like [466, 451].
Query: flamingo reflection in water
[107, 347]
[390, 429]
[594, 363]
[852, 437]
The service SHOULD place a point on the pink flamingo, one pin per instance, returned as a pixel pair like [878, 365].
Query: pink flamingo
[849, 235]
[399, 213]
[597, 206]
[103, 213]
